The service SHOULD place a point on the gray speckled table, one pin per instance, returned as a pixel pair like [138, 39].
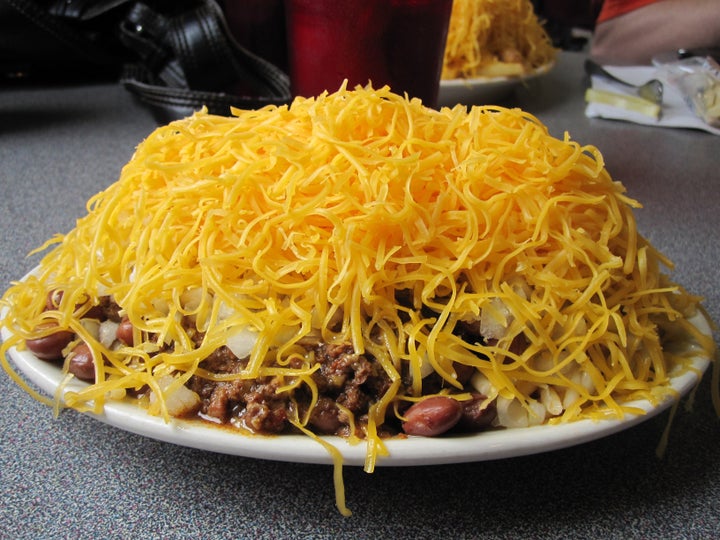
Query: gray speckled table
[73, 477]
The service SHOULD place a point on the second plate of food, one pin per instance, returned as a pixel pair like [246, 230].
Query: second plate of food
[484, 90]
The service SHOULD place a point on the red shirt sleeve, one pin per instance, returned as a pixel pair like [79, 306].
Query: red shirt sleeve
[615, 8]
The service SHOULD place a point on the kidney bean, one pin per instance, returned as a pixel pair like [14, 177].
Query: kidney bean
[81, 363]
[432, 416]
[50, 347]
[55, 296]
[463, 372]
[124, 332]
[53, 299]
[95, 312]
[474, 418]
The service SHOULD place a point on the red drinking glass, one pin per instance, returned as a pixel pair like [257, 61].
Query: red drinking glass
[259, 26]
[395, 42]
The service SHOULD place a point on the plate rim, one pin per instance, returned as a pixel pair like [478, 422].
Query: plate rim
[472, 82]
[403, 451]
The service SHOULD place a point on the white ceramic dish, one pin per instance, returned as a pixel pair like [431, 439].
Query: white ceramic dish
[484, 90]
[403, 452]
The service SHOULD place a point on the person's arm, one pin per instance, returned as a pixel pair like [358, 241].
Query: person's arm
[635, 37]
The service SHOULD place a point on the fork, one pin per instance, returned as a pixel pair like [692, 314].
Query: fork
[651, 90]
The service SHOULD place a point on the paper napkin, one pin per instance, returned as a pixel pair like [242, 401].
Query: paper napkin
[675, 113]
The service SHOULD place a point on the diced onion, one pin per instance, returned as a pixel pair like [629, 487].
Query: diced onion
[550, 400]
[191, 298]
[92, 326]
[241, 343]
[494, 319]
[180, 401]
[107, 333]
[512, 413]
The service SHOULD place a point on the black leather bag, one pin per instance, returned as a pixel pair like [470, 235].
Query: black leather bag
[60, 41]
[174, 56]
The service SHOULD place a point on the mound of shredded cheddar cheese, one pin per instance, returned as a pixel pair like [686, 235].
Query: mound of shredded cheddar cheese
[495, 38]
[364, 217]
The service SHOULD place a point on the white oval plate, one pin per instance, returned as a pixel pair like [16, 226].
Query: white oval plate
[403, 452]
[483, 90]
